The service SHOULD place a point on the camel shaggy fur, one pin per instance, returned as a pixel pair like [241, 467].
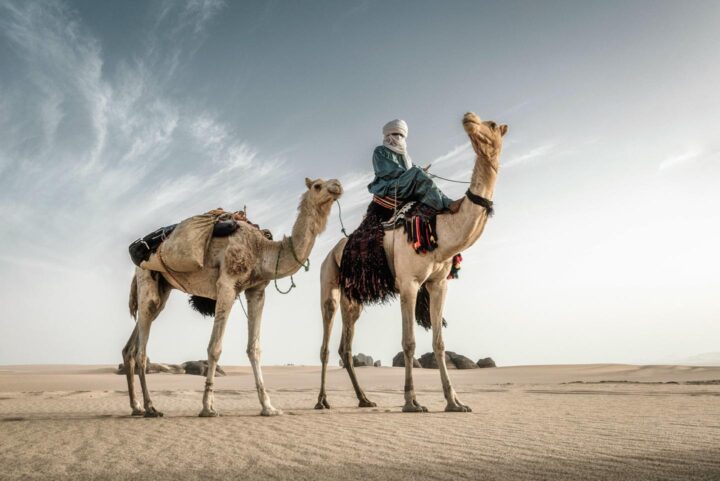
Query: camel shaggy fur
[244, 262]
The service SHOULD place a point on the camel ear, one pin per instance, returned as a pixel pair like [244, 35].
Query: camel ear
[503, 129]
[308, 182]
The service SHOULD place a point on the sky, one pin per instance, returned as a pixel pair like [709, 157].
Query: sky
[120, 117]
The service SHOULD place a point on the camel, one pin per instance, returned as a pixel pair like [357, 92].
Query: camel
[244, 262]
[456, 232]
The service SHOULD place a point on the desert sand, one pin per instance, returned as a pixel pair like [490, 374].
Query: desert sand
[581, 422]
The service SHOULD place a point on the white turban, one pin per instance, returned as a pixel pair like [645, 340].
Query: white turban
[395, 144]
[396, 126]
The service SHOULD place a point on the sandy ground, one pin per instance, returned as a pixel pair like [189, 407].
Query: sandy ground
[535, 422]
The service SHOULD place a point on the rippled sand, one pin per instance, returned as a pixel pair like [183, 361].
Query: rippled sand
[649, 423]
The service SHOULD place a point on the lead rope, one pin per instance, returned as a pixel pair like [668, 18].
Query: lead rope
[342, 226]
[305, 265]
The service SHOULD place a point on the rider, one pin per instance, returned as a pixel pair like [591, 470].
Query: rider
[396, 178]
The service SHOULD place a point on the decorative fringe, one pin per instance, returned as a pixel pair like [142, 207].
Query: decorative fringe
[365, 275]
[420, 229]
[455, 269]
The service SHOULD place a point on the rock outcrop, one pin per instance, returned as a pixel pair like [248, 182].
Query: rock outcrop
[399, 360]
[152, 368]
[486, 362]
[453, 360]
[200, 368]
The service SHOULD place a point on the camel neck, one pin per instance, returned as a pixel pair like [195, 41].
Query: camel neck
[459, 231]
[294, 251]
[483, 178]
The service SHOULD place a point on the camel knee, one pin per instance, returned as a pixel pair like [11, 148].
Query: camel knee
[438, 346]
[329, 309]
[214, 353]
[324, 355]
[408, 347]
[253, 351]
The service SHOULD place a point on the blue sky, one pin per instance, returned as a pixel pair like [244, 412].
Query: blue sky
[116, 118]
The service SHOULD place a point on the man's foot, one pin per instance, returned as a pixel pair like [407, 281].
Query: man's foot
[454, 206]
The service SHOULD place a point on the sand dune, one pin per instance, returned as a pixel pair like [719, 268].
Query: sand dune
[529, 422]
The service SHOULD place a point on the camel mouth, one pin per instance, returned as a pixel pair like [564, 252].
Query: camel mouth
[335, 188]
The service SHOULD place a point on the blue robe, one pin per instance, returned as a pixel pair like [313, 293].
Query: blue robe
[393, 179]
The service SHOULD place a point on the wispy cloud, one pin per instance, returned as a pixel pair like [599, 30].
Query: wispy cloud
[681, 159]
[533, 154]
[111, 153]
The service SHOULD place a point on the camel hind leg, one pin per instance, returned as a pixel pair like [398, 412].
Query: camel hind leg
[350, 313]
[129, 352]
[152, 293]
[329, 303]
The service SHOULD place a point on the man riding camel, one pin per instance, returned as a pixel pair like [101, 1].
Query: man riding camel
[397, 179]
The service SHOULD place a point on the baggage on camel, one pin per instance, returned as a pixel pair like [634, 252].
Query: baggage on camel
[182, 247]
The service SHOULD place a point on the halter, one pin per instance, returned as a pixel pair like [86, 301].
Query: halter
[481, 201]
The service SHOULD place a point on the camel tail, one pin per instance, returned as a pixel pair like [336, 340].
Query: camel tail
[133, 303]
[422, 309]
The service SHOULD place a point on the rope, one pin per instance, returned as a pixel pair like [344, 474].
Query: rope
[449, 180]
[306, 264]
[277, 266]
[342, 226]
[243, 307]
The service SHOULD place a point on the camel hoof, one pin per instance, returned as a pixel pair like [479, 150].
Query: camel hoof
[153, 413]
[208, 413]
[270, 412]
[457, 408]
[322, 404]
[138, 412]
[414, 408]
[367, 404]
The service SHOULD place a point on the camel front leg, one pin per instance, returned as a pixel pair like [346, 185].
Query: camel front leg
[437, 291]
[408, 298]
[256, 302]
[226, 294]
[329, 301]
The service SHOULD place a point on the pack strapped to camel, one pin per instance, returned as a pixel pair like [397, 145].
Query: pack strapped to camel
[182, 247]
[365, 274]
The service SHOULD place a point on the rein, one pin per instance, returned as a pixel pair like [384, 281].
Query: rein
[305, 265]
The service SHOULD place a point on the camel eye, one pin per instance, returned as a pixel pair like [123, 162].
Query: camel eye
[492, 125]
[316, 186]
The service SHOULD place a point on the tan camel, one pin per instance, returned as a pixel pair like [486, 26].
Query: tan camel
[456, 233]
[245, 261]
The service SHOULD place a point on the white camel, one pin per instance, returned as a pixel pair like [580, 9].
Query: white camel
[456, 232]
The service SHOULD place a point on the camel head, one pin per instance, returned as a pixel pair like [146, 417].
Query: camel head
[317, 202]
[321, 192]
[486, 137]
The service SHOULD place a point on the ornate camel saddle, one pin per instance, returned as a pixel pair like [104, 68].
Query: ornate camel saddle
[365, 275]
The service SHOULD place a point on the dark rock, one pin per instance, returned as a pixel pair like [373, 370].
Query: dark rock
[362, 360]
[399, 360]
[377, 363]
[200, 368]
[152, 368]
[487, 362]
[460, 361]
[428, 361]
